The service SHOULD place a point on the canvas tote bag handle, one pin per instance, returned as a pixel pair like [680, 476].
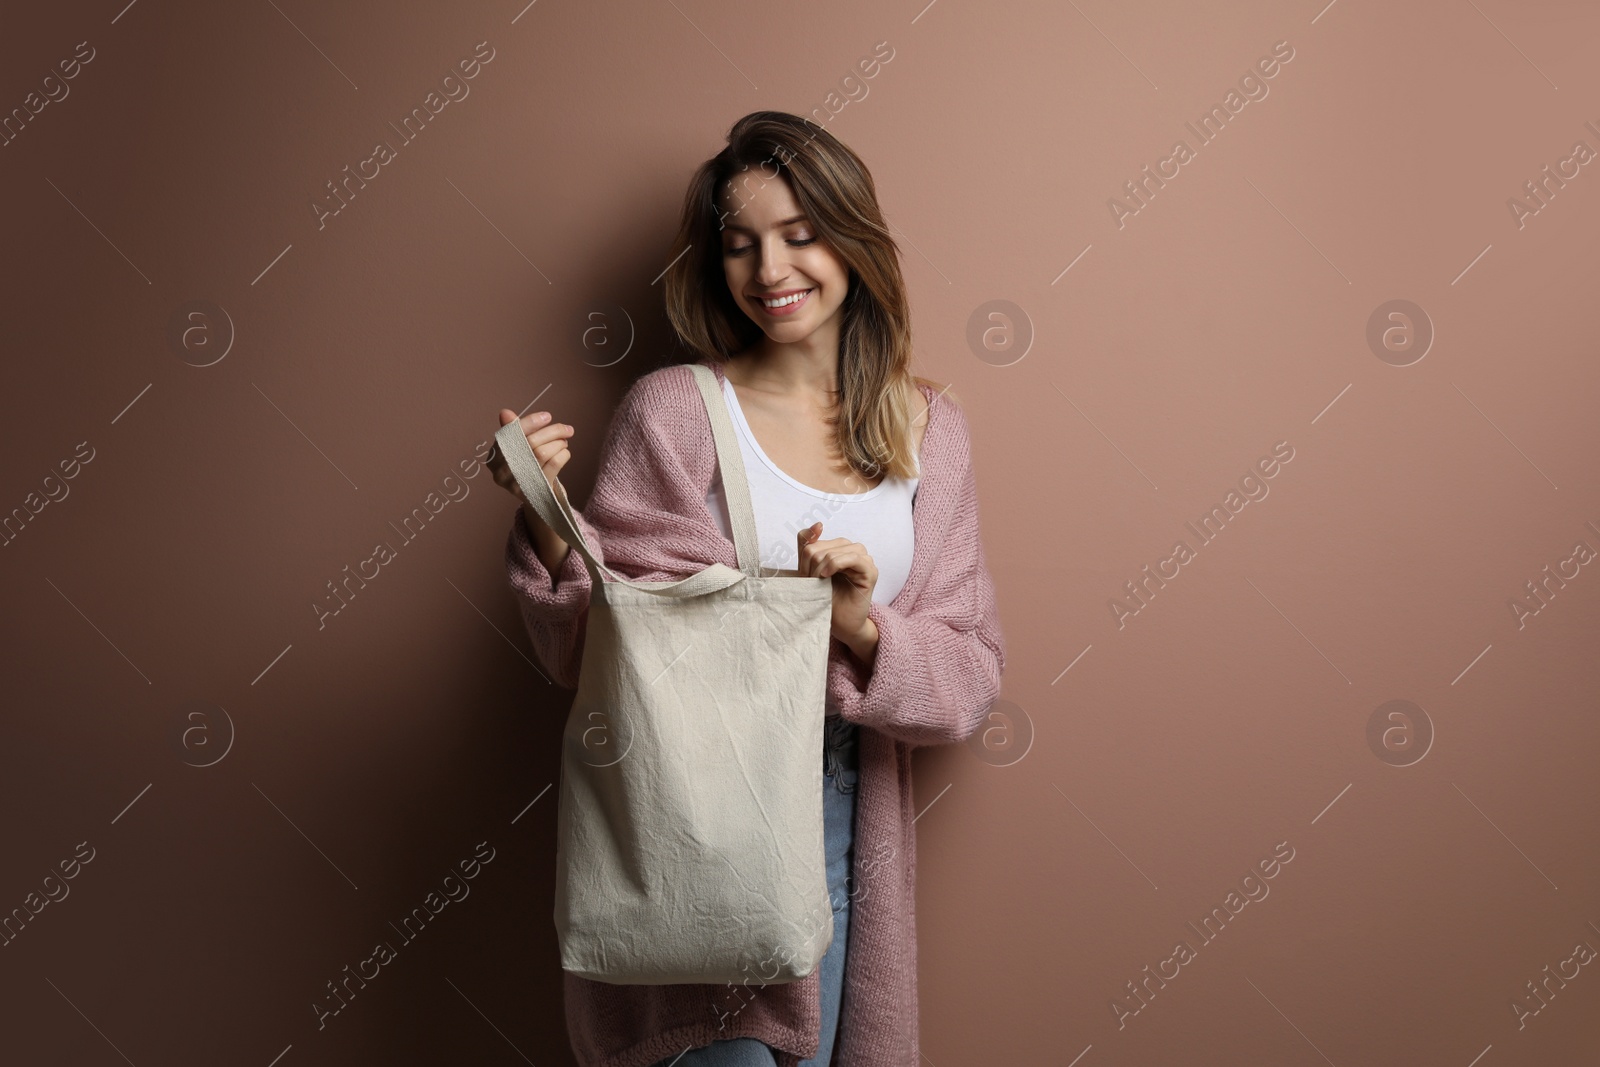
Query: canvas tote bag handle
[730, 465]
[556, 513]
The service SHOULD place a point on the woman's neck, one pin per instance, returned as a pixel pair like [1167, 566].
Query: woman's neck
[798, 369]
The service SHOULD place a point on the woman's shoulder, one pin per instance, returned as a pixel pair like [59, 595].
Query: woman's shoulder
[663, 412]
[664, 396]
[939, 421]
[658, 445]
[672, 377]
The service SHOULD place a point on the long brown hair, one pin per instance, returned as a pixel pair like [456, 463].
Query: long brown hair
[834, 189]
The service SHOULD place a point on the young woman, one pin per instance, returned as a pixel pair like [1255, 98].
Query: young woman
[789, 288]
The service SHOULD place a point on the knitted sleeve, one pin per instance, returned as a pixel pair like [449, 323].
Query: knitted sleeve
[553, 613]
[938, 663]
[646, 519]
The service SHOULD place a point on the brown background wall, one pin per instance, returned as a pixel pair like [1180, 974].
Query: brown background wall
[1441, 860]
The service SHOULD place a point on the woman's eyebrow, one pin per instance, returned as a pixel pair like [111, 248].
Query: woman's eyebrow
[781, 222]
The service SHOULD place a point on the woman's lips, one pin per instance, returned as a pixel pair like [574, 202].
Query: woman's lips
[787, 309]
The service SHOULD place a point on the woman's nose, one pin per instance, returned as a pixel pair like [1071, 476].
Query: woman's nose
[773, 269]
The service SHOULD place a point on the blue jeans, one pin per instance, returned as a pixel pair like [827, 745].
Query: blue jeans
[840, 776]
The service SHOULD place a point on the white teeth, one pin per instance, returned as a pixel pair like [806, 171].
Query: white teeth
[785, 300]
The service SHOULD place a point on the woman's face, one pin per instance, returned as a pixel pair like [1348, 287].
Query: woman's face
[770, 252]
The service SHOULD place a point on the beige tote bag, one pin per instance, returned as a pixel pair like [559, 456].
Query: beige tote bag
[689, 831]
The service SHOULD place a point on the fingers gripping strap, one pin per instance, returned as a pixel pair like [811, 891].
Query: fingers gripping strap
[730, 464]
[557, 515]
[536, 489]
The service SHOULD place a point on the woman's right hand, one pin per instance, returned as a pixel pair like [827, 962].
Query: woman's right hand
[549, 441]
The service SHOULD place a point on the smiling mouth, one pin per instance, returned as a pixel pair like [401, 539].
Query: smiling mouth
[785, 305]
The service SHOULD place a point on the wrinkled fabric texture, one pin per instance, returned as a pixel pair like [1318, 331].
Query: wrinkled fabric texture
[840, 775]
[936, 670]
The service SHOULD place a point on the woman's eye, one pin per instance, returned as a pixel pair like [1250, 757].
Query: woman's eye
[739, 250]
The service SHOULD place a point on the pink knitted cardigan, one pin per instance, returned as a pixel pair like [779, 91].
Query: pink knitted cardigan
[937, 669]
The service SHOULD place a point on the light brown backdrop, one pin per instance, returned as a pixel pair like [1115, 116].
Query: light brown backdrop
[1139, 767]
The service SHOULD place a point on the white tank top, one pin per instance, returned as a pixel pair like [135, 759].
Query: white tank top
[879, 518]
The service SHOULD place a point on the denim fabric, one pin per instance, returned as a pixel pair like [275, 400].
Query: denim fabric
[840, 776]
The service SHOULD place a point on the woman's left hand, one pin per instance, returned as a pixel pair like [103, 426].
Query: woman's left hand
[854, 577]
